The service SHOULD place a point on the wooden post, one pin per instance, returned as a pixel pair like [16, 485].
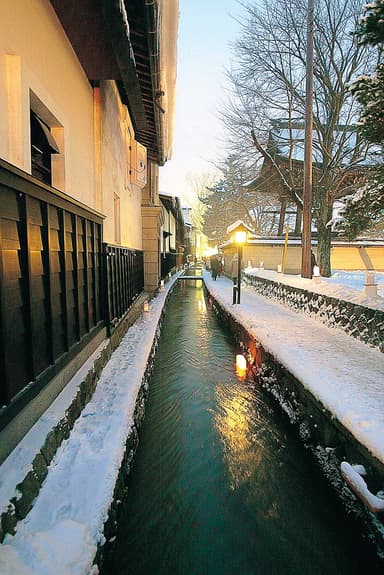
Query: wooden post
[25, 255]
[285, 249]
[283, 209]
[306, 268]
[47, 276]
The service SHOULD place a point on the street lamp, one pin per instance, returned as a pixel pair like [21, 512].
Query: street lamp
[239, 233]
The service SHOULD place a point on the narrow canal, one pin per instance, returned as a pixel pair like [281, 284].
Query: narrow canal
[221, 484]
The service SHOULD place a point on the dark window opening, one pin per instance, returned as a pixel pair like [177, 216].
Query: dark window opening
[43, 145]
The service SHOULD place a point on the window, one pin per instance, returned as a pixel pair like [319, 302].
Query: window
[43, 145]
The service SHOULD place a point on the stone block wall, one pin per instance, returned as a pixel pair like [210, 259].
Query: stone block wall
[363, 323]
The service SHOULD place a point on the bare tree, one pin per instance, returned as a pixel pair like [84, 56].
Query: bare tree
[198, 185]
[230, 199]
[268, 83]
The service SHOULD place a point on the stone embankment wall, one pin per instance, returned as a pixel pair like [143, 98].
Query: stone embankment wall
[361, 322]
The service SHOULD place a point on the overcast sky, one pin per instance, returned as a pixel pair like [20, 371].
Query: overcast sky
[206, 29]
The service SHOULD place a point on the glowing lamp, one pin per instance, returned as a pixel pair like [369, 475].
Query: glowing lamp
[240, 236]
[241, 363]
[146, 306]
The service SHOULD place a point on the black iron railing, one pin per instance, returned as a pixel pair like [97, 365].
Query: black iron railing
[168, 262]
[124, 281]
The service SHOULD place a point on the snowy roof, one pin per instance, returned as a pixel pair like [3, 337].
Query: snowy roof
[168, 194]
[238, 224]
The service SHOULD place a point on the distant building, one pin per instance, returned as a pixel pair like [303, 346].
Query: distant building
[189, 234]
[172, 243]
[286, 151]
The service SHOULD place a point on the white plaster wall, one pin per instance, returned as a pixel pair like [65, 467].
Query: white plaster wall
[116, 163]
[36, 55]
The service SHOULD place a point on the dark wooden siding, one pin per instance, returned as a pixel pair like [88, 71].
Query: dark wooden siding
[50, 279]
[59, 285]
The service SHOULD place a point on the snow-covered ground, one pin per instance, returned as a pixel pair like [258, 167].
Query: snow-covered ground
[344, 285]
[61, 533]
[355, 279]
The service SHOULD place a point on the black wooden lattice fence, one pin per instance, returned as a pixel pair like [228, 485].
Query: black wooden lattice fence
[59, 284]
[124, 275]
[168, 262]
[50, 281]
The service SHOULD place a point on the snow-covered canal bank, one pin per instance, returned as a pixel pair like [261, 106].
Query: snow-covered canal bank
[66, 525]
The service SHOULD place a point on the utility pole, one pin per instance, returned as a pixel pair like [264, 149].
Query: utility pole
[306, 267]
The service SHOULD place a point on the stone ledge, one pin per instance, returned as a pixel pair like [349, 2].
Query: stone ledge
[363, 323]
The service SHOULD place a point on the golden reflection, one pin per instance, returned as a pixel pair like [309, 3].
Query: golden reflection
[241, 366]
[199, 298]
[241, 453]
[202, 305]
[244, 436]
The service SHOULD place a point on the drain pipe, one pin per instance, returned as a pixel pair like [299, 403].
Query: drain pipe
[353, 476]
[153, 17]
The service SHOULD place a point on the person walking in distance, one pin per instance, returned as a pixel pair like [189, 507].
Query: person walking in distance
[214, 267]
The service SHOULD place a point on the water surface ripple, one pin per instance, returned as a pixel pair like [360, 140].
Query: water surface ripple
[220, 484]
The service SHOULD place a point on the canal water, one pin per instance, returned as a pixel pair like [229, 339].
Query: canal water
[221, 485]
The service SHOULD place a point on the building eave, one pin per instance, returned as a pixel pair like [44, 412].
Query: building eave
[120, 40]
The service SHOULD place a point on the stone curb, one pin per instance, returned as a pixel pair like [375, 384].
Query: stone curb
[358, 321]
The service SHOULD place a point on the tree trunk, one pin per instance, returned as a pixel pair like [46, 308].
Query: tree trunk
[324, 240]
[298, 221]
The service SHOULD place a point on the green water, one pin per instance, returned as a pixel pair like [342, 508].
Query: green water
[221, 485]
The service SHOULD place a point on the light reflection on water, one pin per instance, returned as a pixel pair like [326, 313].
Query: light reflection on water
[241, 453]
[220, 485]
